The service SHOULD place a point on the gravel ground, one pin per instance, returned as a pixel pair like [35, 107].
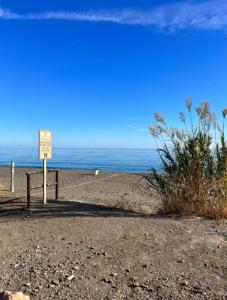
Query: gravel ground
[101, 245]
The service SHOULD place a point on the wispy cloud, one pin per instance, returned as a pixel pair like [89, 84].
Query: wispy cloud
[206, 15]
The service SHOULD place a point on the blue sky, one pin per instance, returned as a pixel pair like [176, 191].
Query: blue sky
[94, 72]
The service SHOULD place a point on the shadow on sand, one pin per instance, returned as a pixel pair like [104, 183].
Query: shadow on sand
[12, 208]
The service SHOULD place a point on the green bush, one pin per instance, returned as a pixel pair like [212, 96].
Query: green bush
[193, 180]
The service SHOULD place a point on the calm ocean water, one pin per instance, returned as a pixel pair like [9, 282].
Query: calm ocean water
[123, 160]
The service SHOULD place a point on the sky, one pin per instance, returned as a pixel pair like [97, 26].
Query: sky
[95, 72]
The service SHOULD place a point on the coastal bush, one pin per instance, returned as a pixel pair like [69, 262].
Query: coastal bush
[193, 180]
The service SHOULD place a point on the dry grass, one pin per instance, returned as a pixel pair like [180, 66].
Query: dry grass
[194, 177]
[146, 210]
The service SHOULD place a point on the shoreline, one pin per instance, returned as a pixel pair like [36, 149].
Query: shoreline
[72, 169]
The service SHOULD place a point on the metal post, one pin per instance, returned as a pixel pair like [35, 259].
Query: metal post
[44, 181]
[12, 187]
[28, 190]
[57, 186]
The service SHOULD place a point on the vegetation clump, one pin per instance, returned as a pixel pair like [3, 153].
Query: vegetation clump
[193, 180]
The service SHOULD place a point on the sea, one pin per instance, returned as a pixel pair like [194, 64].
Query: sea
[113, 160]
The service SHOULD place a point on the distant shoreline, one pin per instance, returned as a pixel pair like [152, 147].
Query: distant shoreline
[8, 166]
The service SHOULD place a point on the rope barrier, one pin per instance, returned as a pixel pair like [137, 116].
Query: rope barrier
[81, 184]
[75, 185]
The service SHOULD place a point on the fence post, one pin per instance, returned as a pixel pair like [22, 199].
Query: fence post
[28, 190]
[57, 186]
[12, 187]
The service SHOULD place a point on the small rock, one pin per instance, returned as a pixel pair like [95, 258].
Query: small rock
[133, 284]
[71, 277]
[107, 280]
[184, 283]
[55, 282]
[197, 290]
[134, 278]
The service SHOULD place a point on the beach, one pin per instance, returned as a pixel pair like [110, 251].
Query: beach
[104, 238]
[122, 190]
[113, 121]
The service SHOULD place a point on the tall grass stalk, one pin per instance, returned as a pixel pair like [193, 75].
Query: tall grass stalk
[193, 180]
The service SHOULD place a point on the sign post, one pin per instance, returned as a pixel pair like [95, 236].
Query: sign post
[45, 152]
[44, 181]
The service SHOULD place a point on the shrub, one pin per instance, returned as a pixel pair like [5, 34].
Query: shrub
[193, 180]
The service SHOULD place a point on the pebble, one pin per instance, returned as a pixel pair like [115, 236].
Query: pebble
[133, 284]
[107, 280]
[184, 283]
[180, 261]
[55, 282]
[197, 289]
[71, 277]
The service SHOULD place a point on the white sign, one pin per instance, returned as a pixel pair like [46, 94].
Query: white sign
[45, 144]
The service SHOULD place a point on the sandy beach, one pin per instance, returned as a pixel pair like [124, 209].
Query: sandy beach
[122, 190]
[128, 101]
[95, 242]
